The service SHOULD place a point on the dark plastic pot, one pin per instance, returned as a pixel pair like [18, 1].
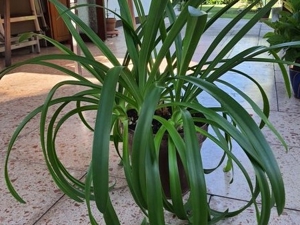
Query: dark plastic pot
[295, 81]
[164, 164]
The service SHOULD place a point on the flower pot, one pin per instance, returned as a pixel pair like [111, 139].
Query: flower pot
[110, 27]
[164, 166]
[111, 24]
[164, 162]
[295, 81]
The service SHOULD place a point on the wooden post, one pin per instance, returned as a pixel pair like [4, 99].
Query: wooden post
[7, 32]
[100, 12]
[75, 46]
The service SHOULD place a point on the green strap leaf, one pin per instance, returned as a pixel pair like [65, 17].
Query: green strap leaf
[100, 153]
[195, 172]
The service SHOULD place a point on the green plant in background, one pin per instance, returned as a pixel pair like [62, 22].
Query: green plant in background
[230, 13]
[286, 29]
[153, 78]
[259, 4]
[263, 2]
[217, 2]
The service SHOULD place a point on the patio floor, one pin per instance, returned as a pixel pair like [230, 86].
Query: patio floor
[26, 88]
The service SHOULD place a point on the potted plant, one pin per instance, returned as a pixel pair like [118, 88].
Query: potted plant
[111, 22]
[287, 29]
[154, 92]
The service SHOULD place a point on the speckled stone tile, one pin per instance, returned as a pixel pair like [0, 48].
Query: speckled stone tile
[20, 93]
[26, 85]
[9, 124]
[278, 73]
[261, 71]
[68, 212]
[285, 103]
[73, 149]
[291, 217]
[219, 182]
[245, 42]
[38, 174]
[17, 102]
[288, 125]
[289, 164]
[35, 186]
[246, 86]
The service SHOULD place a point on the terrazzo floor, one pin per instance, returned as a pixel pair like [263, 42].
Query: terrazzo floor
[25, 88]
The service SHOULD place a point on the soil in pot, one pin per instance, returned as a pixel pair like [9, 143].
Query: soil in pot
[163, 152]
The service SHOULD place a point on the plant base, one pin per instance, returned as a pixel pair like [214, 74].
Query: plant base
[164, 167]
[163, 151]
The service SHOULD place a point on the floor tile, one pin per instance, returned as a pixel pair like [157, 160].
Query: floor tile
[278, 73]
[35, 186]
[73, 148]
[285, 103]
[288, 125]
[246, 86]
[290, 217]
[226, 183]
[219, 182]
[289, 164]
[20, 94]
[69, 212]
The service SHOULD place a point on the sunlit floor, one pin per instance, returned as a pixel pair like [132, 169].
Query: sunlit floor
[26, 88]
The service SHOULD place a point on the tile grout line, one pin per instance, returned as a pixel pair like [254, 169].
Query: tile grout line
[53, 205]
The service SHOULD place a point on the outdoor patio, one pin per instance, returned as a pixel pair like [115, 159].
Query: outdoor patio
[26, 88]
